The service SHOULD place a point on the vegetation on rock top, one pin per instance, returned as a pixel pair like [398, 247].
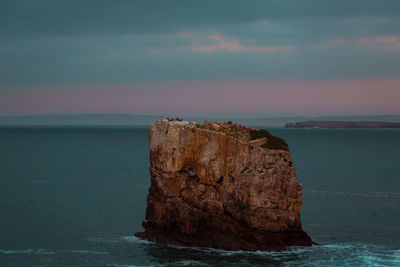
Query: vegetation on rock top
[273, 142]
[174, 119]
[243, 132]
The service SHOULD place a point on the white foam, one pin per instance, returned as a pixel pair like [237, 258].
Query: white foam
[28, 251]
[134, 239]
[131, 265]
[41, 251]
[171, 263]
[85, 252]
[190, 263]
[339, 254]
[129, 239]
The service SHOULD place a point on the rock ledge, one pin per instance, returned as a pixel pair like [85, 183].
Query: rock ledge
[222, 185]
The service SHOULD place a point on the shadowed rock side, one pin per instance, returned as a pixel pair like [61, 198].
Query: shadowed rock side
[213, 186]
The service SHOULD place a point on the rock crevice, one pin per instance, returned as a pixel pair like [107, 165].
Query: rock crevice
[222, 185]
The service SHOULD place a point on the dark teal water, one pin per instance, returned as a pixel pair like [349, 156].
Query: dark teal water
[76, 196]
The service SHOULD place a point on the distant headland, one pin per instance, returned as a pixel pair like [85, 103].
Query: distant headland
[342, 124]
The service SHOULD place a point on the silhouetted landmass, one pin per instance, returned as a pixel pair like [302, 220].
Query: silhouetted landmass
[343, 124]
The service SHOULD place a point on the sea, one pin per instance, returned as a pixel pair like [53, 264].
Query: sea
[75, 196]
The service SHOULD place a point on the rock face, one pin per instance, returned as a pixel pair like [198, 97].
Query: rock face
[213, 186]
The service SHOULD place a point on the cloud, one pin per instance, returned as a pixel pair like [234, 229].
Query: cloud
[48, 18]
[186, 33]
[385, 42]
[337, 42]
[234, 45]
[153, 50]
[137, 40]
[216, 37]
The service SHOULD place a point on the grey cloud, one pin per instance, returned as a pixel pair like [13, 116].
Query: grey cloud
[76, 17]
[82, 41]
[81, 63]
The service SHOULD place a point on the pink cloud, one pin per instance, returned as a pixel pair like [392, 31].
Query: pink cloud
[186, 34]
[232, 44]
[386, 42]
[216, 37]
[337, 42]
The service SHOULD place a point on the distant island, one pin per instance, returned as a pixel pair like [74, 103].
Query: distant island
[342, 124]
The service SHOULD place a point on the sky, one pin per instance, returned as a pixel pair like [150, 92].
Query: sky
[260, 58]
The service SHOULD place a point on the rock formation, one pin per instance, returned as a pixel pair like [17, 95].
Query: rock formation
[222, 185]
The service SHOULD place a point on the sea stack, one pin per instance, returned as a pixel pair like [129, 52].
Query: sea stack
[222, 185]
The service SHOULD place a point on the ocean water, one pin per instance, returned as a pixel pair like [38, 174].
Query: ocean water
[74, 196]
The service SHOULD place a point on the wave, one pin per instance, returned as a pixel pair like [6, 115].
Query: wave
[356, 194]
[338, 254]
[176, 263]
[28, 251]
[85, 252]
[129, 239]
[41, 251]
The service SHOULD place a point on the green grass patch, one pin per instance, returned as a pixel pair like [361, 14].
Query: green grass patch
[273, 142]
[202, 126]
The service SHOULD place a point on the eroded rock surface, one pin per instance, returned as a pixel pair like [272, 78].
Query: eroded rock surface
[213, 186]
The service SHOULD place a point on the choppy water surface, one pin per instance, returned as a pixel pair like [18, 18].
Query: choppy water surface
[76, 196]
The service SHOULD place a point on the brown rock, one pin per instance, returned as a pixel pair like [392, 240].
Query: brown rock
[211, 185]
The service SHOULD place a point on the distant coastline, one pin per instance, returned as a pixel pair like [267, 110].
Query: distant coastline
[342, 124]
[125, 119]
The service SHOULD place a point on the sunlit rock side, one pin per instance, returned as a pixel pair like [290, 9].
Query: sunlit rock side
[213, 186]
